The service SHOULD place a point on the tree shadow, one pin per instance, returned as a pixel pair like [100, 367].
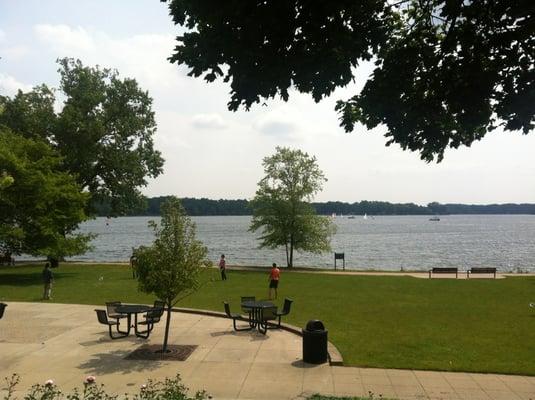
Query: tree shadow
[114, 362]
[221, 333]
[253, 335]
[104, 337]
[31, 279]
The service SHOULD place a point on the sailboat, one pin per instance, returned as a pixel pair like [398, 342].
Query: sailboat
[365, 216]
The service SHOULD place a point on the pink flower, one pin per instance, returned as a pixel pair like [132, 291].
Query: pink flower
[90, 379]
[49, 383]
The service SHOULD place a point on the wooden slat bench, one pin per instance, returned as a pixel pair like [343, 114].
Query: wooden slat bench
[481, 270]
[441, 270]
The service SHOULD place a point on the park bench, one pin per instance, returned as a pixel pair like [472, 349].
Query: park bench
[442, 270]
[481, 270]
[5, 258]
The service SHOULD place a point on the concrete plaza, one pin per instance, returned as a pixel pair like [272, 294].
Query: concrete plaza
[65, 343]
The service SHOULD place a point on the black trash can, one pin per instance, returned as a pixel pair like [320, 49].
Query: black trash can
[315, 342]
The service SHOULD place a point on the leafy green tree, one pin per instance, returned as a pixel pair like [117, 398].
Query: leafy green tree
[282, 209]
[104, 130]
[41, 206]
[170, 268]
[446, 71]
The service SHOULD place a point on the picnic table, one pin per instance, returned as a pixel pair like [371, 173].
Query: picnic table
[133, 309]
[257, 313]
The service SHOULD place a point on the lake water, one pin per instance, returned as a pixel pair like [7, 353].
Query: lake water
[381, 243]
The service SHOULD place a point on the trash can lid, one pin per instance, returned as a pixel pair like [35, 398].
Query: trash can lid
[315, 325]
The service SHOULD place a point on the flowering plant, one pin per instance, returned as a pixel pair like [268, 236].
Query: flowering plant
[169, 389]
[89, 380]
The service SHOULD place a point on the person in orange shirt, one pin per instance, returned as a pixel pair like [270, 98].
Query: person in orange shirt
[274, 277]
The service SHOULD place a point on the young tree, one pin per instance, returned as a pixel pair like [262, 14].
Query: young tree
[170, 268]
[104, 130]
[446, 71]
[40, 205]
[282, 209]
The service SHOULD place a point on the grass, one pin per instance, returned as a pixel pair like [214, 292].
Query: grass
[479, 325]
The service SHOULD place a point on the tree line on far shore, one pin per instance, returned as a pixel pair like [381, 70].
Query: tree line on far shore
[204, 206]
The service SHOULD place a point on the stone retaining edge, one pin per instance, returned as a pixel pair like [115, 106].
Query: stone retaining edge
[335, 358]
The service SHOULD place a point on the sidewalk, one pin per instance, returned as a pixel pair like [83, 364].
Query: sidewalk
[65, 343]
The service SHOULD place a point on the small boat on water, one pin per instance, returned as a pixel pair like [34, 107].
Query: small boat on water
[350, 217]
[365, 216]
[434, 219]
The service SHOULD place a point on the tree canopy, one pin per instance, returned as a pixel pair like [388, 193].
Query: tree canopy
[40, 205]
[281, 206]
[171, 266]
[446, 71]
[104, 130]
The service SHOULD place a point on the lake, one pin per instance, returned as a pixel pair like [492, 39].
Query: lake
[389, 243]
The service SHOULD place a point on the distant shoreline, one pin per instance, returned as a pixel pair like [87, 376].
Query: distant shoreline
[222, 207]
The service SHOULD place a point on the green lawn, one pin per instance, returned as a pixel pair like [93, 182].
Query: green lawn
[480, 325]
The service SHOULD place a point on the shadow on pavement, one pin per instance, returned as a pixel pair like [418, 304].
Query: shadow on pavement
[114, 362]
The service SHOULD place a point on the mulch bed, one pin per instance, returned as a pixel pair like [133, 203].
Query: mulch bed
[153, 352]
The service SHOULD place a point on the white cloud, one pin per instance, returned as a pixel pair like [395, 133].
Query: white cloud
[13, 52]
[277, 123]
[10, 52]
[64, 38]
[9, 85]
[208, 121]
[227, 163]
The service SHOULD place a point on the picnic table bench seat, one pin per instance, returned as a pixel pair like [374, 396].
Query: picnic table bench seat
[444, 270]
[104, 320]
[236, 317]
[152, 317]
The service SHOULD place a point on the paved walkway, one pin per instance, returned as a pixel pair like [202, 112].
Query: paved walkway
[414, 274]
[65, 343]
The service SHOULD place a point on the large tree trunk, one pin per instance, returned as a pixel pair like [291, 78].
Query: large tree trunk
[291, 263]
[167, 323]
[54, 262]
[287, 255]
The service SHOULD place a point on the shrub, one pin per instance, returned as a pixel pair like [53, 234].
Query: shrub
[169, 389]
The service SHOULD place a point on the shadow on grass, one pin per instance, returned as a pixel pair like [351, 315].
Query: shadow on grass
[114, 362]
[30, 279]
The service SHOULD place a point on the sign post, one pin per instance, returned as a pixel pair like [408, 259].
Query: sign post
[340, 256]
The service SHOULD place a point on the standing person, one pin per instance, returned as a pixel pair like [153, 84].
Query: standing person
[274, 276]
[48, 278]
[223, 267]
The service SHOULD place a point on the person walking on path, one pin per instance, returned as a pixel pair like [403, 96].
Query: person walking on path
[274, 276]
[48, 278]
[223, 268]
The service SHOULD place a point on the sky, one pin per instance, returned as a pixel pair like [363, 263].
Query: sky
[215, 153]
